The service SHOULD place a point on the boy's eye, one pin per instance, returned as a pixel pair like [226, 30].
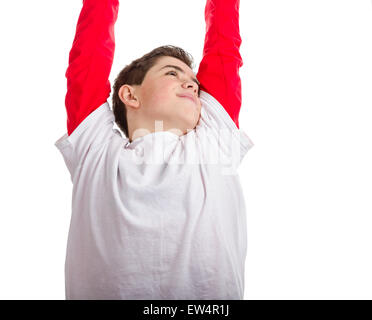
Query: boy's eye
[174, 72]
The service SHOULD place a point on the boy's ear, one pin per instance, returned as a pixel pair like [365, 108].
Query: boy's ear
[128, 96]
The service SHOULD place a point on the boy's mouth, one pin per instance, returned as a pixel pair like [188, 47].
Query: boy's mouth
[187, 96]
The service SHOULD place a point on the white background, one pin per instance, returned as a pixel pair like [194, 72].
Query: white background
[307, 106]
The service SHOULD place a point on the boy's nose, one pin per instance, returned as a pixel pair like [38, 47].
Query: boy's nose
[191, 84]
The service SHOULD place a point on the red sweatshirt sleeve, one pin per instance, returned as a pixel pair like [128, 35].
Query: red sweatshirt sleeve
[90, 60]
[218, 72]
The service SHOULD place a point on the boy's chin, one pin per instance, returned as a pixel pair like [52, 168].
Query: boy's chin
[186, 123]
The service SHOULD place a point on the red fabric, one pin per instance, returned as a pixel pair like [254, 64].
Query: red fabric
[90, 60]
[218, 71]
[92, 55]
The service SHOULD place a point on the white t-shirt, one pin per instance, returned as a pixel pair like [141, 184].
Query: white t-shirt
[162, 217]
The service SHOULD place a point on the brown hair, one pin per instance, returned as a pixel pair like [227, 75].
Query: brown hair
[134, 73]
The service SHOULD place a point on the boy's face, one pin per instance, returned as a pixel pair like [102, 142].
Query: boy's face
[162, 96]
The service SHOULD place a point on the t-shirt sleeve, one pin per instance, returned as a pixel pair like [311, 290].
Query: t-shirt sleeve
[94, 132]
[222, 142]
[218, 72]
[90, 60]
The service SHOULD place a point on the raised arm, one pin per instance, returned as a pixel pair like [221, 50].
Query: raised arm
[90, 60]
[218, 72]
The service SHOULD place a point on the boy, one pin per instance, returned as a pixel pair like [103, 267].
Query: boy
[156, 214]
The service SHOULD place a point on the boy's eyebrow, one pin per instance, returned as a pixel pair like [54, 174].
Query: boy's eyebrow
[179, 69]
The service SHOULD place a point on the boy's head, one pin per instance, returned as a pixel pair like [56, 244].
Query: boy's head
[146, 91]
